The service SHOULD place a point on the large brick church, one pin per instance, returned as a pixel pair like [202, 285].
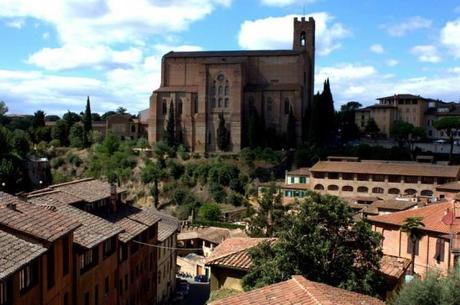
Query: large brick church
[201, 85]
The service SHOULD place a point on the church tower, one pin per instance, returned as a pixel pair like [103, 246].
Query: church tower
[304, 42]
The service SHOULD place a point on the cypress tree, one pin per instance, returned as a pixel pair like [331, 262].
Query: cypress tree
[223, 135]
[87, 124]
[170, 132]
[314, 132]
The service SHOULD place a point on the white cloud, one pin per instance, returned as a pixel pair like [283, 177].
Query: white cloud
[94, 22]
[426, 53]
[454, 70]
[165, 48]
[344, 72]
[392, 62]
[450, 34]
[74, 56]
[15, 23]
[376, 48]
[277, 33]
[411, 24]
[281, 3]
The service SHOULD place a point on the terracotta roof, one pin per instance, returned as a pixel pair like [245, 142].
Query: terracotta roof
[393, 204]
[40, 222]
[401, 96]
[303, 171]
[296, 186]
[233, 252]
[299, 291]
[167, 226]
[388, 168]
[433, 217]
[394, 266]
[231, 53]
[89, 190]
[211, 234]
[15, 253]
[450, 186]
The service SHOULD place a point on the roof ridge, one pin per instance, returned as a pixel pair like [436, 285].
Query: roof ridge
[72, 182]
[294, 277]
[43, 192]
[241, 250]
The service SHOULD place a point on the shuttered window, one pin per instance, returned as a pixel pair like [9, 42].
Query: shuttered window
[439, 254]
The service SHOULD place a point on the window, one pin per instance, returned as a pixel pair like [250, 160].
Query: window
[332, 175]
[50, 264]
[319, 187]
[133, 128]
[219, 102]
[134, 247]
[332, 188]
[428, 180]
[411, 179]
[347, 188]
[426, 193]
[410, 245]
[123, 250]
[213, 102]
[226, 88]
[164, 106]
[96, 295]
[179, 108]
[379, 178]
[363, 177]
[220, 91]
[362, 189]
[410, 192]
[28, 277]
[269, 104]
[318, 175]
[5, 295]
[195, 104]
[303, 179]
[439, 254]
[109, 247]
[287, 106]
[377, 190]
[394, 191]
[394, 179]
[292, 179]
[106, 285]
[226, 102]
[88, 259]
[65, 255]
[346, 176]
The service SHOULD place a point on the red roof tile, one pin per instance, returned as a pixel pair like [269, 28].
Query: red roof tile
[299, 291]
[394, 266]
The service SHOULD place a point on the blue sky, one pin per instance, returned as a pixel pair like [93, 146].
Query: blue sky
[56, 52]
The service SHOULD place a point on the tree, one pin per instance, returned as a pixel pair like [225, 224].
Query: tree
[434, 289]
[87, 124]
[322, 117]
[39, 119]
[60, 131]
[291, 136]
[153, 173]
[269, 217]
[76, 136]
[52, 118]
[3, 108]
[107, 114]
[121, 110]
[346, 121]
[412, 227]
[371, 128]
[210, 212]
[322, 242]
[71, 118]
[170, 132]
[223, 134]
[406, 134]
[95, 117]
[449, 125]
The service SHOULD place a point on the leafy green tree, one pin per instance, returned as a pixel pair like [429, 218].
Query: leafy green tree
[3, 108]
[291, 136]
[20, 142]
[121, 110]
[107, 114]
[39, 119]
[223, 134]
[60, 131]
[153, 173]
[12, 174]
[87, 124]
[52, 118]
[322, 128]
[95, 117]
[434, 289]
[170, 132]
[76, 136]
[217, 192]
[346, 121]
[412, 227]
[71, 118]
[371, 128]
[406, 134]
[449, 125]
[210, 212]
[322, 242]
[270, 214]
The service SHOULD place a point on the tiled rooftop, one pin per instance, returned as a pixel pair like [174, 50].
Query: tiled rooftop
[41, 222]
[394, 266]
[211, 234]
[233, 252]
[167, 225]
[15, 253]
[388, 168]
[303, 171]
[299, 291]
[436, 217]
[450, 186]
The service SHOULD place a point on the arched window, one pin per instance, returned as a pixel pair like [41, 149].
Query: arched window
[377, 190]
[226, 88]
[164, 106]
[426, 193]
[179, 107]
[195, 104]
[363, 189]
[347, 188]
[219, 102]
[287, 106]
[410, 192]
[226, 102]
[213, 89]
[213, 102]
[219, 92]
[332, 187]
[394, 191]
[303, 39]
[319, 187]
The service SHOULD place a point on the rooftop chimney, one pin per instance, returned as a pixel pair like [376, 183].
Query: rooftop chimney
[113, 197]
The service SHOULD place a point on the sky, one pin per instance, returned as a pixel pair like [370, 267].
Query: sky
[54, 53]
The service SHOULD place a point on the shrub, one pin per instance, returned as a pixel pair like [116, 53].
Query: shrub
[57, 162]
[74, 160]
[210, 212]
[176, 170]
[182, 152]
[217, 192]
[55, 143]
[235, 199]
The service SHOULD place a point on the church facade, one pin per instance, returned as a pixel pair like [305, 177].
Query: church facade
[202, 85]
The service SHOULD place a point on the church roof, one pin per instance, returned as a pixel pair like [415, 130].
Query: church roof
[237, 53]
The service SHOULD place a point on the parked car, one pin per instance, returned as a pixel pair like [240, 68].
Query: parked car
[201, 278]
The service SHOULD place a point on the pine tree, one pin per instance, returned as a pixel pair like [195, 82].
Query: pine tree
[170, 132]
[223, 135]
[291, 132]
[87, 124]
